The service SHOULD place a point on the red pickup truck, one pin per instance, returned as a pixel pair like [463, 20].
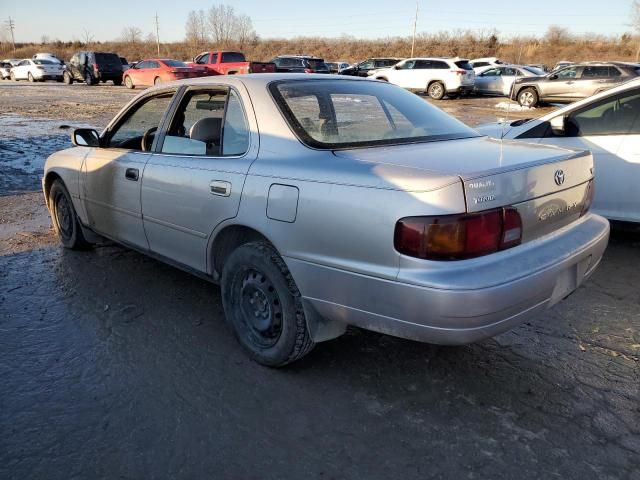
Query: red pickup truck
[231, 63]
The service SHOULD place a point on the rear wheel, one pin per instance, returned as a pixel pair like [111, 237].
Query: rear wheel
[30, 77]
[436, 90]
[117, 82]
[13, 77]
[64, 218]
[67, 78]
[263, 305]
[528, 97]
[88, 79]
[128, 82]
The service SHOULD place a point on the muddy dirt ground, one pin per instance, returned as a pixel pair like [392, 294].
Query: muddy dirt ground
[113, 365]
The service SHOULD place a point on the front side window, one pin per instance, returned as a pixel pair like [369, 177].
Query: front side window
[140, 123]
[614, 116]
[567, 73]
[494, 72]
[203, 59]
[208, 123]
[153, 64]
[408, 65]
[368, 65]
[334, 114]
[597, 71]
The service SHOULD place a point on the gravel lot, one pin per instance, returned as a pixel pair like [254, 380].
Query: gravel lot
[113, 365]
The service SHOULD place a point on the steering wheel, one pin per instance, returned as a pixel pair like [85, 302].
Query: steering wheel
[146, 137]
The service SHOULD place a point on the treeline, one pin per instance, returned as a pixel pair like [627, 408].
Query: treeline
[557, 44]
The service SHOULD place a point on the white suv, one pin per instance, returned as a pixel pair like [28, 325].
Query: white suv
[436, 76]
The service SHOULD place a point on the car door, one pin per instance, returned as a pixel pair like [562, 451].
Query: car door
[195, 180]
[561, 85]
[485, 80]
[610, 129]
[112, 173]
[141, 73]
[507, 78]
[21, 70]
[593, 78]
[402, 74]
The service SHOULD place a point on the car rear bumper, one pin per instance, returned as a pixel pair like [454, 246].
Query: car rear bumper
[462, 89]
[467, 302]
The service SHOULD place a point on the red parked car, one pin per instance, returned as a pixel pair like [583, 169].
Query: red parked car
[157, 71]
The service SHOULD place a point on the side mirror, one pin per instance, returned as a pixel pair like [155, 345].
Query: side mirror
[558, 125]
[85, 137]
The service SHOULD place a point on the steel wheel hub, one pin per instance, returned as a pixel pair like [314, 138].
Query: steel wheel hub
[261, 308]
[63, 216]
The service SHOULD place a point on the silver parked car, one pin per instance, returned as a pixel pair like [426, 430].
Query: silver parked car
[319, 202]
[572, 83]
[499, 80]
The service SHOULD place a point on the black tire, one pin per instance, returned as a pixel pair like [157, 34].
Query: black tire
[117, 82]
[64, 218]
[437, 90]
[128, 82]
[30, 77]
[263, 305]
[88, 79]
[528, 97]
[67, 78]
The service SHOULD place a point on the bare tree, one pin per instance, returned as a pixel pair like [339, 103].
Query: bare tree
[196, 28]
[556, 34]
[131, 35]
[221, 19]
[44, 40]
[243, 31]
[635, 22]
[87, 37]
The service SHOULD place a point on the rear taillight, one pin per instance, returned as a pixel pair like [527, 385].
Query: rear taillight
[95, 67]
[308, 70]
[459, 72]
[457, 237]
[588, 198]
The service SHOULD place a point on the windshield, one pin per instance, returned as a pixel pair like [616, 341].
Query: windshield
[349, 113]
[174, 63]
[44, 62]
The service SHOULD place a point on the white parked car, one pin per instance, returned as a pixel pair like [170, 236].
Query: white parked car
[47, 56]
[499, 80]
[5, 70]
[479, 63]
[37, 70]
[436, 76]
[608, 124]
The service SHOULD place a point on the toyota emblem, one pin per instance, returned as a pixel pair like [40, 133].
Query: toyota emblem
[559, 177]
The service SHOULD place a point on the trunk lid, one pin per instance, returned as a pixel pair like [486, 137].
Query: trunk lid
[547, 185]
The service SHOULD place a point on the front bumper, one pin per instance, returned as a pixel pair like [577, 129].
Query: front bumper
[460, 302]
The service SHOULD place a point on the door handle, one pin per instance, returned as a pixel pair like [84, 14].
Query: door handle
[132, 174]
[220, 188]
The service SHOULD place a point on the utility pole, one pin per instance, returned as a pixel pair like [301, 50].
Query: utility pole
[415, 23]
[158, 33]
[11, 26]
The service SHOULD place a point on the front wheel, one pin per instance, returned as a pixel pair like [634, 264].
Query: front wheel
[30, 77]
[128, 82]
[64, 218]
[437, 91]
[528, 97]
[89, 80]
[67, 78]
[263, 305]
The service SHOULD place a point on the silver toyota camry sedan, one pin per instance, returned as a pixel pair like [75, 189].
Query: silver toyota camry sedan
[319, 202]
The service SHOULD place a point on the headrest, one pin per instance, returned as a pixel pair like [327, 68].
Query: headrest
[207, 130]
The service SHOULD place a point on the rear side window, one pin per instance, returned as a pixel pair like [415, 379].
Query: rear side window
[595, 71]
[439, 65]
[464, 64]
[480, 64]
[422, 65]
[232, 57]
[316, 64]
[107, 58]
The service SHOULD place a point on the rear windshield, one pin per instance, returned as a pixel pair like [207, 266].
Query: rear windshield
[44, 62]
[107, 58]
[464, 64]
[174, 63]
[316, 64]
[232, 57]
[335, 114]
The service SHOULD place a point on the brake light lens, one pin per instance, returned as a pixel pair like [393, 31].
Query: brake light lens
[308, 70]
[459, 72]
[458, 237]
[588, 198]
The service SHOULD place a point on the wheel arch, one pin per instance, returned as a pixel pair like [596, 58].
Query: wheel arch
[49, 178]
[227, 240]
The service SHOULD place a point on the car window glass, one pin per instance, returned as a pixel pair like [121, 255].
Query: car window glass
[570, 72]
[464, 64]
[369, 64]
[613, 116]
[422, 65]
[509, 72]
[142, 65]
[198, 128]
[595, 71]
[439, 65]
[139, 119]
[614, 72]
[214, 58]
[154, 65]
[203, 59]
[232, 57]
[480, 64]
[408, 65]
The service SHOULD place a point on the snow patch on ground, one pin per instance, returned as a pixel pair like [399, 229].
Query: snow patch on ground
[513, 107]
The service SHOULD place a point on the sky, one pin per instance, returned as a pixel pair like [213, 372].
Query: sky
[328, 18]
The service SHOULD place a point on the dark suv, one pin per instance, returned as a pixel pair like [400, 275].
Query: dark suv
[93, 67]
[573, 82]
[362, 69]
[300, 64]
